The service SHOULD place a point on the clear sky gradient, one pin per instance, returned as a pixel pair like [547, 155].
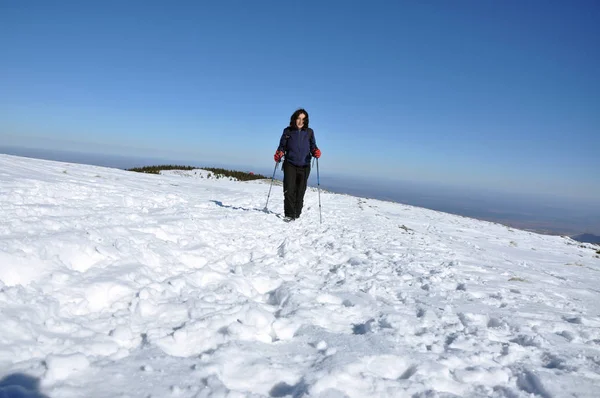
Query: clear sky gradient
[484, 94]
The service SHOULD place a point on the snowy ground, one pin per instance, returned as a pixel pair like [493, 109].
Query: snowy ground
[118, 284]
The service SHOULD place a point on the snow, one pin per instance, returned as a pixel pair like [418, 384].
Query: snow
[119, 284]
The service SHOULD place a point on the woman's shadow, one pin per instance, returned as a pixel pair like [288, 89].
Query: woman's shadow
[20, 385]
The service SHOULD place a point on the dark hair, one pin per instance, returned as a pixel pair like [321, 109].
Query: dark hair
[295, 116]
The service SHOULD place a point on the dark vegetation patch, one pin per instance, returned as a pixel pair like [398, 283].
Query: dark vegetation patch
[218, 172]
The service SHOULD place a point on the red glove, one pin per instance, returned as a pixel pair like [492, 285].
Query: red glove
[316, 153]
[278, 155]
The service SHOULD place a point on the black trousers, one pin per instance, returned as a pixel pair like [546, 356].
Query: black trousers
[294, 186]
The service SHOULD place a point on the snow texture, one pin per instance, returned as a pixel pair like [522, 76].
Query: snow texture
[119, 284]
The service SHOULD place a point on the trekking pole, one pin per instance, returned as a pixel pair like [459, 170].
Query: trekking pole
[271, 186]
[319, 190]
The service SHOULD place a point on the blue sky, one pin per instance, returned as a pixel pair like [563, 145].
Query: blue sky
[483, 94]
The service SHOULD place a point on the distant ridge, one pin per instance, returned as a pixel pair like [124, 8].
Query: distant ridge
[587, 238]
[219, 172]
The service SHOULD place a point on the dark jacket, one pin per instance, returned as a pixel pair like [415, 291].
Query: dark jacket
[297, 145]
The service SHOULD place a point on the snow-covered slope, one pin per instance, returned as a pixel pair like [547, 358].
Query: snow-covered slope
[118, 284]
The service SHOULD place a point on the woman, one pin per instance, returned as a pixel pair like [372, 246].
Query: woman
[297, 144]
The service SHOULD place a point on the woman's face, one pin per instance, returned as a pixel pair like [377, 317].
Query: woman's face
[300, 120]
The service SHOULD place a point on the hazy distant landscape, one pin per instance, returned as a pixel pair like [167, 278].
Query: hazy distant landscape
[543, 215]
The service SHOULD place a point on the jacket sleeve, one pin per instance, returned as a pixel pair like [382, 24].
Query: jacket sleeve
[313, 142]
[283, 142]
